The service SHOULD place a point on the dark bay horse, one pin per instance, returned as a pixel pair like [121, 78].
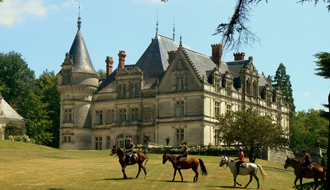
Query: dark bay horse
[249, 169]
[139, 159]
[316, 172]
[192, 163]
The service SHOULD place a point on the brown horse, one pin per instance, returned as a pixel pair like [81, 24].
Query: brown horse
[192, 163]
[139, 159]
[316, 172]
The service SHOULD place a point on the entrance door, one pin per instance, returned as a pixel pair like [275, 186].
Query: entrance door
[122, 140]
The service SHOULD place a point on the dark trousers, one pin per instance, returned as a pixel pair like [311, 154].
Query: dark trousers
[237, 165]
[129, 156]
[303, 166]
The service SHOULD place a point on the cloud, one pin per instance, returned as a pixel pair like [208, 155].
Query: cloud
[70, 4]
[15, 11]
[306, 94]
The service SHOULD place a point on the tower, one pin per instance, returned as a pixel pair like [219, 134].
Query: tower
[77, 82]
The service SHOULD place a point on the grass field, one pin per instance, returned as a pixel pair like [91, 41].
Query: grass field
[29, 166]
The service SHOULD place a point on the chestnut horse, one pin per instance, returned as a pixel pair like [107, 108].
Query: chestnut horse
[192, 163]
[316, 172]
[139, 159]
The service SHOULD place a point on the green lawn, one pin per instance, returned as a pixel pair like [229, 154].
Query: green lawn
[29, 166]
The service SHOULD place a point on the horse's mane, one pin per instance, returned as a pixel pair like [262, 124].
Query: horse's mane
[120, 151]
[295, 159]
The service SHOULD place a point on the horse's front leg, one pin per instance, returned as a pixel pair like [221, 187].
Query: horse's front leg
[123, 170]
[180, 174]
[235, 176]
[138, 171]
[174, 174]
[295, 181]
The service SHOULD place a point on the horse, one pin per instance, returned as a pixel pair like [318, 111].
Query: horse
[316, 172]
[139, 159]
[250, 169]
[192, 163]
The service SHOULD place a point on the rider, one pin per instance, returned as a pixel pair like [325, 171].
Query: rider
[305, 161]
[241, 158]
[183, 156]
[129, 150]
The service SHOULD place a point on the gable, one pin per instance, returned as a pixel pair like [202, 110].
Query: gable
[180, 68]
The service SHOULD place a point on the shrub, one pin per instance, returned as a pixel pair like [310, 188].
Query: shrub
[12, 129]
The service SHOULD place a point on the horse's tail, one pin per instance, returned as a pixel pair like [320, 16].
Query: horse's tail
[263, 174]
[201, 163]
[325, 172]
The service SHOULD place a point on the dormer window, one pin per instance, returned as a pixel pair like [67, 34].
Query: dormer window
[66, 76]
[229, 84]
[217, 84]
[122, 90]
[135, 90]
[179, 85]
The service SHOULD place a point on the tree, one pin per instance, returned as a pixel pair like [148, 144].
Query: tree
[102, 74]
[39, 122]
[323, 70]
[251, 130]
[17, 78]
[282, 80]
[46, 88]
[309, 128]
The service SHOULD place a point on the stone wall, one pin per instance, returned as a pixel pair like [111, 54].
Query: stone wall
[278, 156]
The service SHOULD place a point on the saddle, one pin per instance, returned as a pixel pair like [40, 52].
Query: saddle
[309, 167]
[243, 165]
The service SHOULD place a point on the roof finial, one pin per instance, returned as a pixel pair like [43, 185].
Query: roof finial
[174, 28]
[180, 41]
[79, 18]
[157, 25]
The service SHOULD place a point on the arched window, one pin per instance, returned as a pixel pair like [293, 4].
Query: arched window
[255, 92]
[248, 87]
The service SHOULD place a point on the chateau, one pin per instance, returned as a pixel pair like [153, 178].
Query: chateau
[171, 91]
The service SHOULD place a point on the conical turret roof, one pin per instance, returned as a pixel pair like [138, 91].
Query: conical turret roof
[81, 60]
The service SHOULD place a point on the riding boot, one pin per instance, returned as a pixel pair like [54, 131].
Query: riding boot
[237, 170]
[129, 160]
[179, 165]
[302, 172]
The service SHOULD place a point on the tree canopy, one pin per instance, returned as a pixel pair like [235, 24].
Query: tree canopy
[251, 130]
[282, 80]
[323, 64]
[16, 79]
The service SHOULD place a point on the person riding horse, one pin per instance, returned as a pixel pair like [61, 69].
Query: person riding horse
[129, 150]
[241, 159]
[305, 161]
[183, 156]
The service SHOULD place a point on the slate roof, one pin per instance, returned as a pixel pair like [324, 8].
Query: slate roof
[153, 63]
[236, 66]
[9, 112]
[78, 51]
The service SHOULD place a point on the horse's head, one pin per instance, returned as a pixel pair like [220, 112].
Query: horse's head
[224, 161]
[287, 162]
[113, 150]
[165, 158]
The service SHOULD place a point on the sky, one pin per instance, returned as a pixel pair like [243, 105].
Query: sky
[290, 33]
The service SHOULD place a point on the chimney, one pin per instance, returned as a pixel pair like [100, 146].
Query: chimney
[239, 56]
[171, 55]
[109, 62]
[217, 53]
[122, 56]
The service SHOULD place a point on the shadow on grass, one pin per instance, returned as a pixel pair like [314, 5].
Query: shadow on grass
[113, 179]
[55, 189]
[170, 181]
[237, 187]
[276, 169]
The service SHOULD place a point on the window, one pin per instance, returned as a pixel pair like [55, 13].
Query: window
[122, 114]
[134, 114]
[67, 139]
[269, 100]
[68, 115]
[229, 88]
[179, 136]
[147, 113]
[135, 90]
[66, 76]
[248, 87]
[228, 108]
[98, 117]
[110, 116]
[179, 85]
[216, 138]
[108, 142]
[179, 112]
[98, 143]
[122, 90]
[255, 88]
[217, 108]
[217, 85]
[278, 102]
